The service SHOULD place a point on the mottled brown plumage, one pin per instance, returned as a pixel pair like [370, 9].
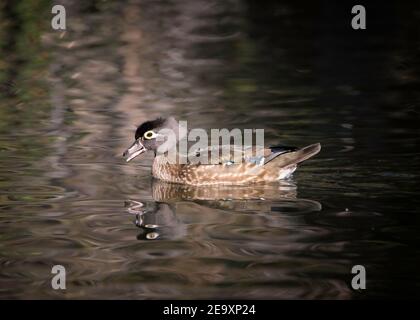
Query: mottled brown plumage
[272, 165]
[243, 173]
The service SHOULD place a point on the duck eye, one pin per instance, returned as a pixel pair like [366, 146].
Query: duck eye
[149, 135]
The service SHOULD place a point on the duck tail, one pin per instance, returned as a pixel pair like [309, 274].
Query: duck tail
[294, 157]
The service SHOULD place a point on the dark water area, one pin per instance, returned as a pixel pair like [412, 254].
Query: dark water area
[70, 102]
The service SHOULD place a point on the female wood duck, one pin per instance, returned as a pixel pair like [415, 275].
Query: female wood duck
[275, 164]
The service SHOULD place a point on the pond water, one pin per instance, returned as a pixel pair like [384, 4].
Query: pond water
[70, 102]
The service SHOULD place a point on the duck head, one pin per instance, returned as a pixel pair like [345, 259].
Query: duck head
[158, 135]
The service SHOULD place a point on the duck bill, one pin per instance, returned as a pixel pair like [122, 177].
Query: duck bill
[134, 150]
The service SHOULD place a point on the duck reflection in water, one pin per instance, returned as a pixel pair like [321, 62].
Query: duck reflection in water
[157, 219]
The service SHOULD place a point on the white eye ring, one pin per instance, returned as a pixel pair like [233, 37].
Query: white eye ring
[150, 135]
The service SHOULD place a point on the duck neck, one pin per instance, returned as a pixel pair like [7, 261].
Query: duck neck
[165, 168]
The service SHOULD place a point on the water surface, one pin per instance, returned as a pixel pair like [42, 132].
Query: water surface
[70, 102]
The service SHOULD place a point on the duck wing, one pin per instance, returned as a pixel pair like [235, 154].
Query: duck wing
[286, 158]
[279, 155]
[234, 154]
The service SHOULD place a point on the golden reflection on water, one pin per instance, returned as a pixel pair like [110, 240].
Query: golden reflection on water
[169, 197]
